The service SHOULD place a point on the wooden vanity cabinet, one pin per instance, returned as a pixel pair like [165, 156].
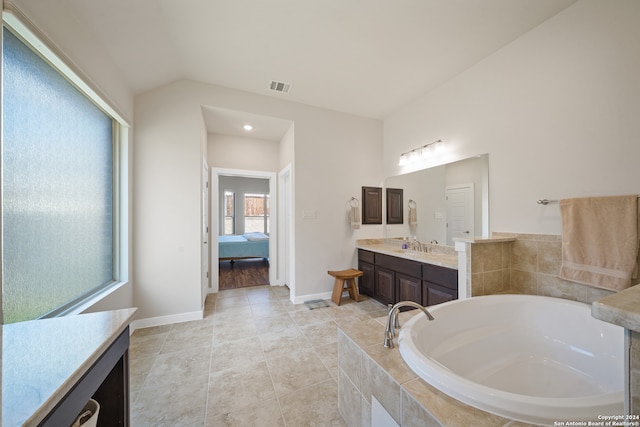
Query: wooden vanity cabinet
[390, 279]
[366, 265]
[409, 288]
[384, 285]
[434, 294]
[439, 284]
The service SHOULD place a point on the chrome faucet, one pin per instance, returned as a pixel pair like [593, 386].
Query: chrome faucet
[393, 323]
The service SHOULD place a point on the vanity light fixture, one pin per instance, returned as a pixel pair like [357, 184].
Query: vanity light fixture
[247, 127]
[421, 153]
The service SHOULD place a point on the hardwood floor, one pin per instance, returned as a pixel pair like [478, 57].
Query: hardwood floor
[243, 273]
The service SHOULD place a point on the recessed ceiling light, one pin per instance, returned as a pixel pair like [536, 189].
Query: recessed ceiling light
[247, 127]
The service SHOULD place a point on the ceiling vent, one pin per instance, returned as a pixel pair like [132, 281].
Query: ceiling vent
[280, 86]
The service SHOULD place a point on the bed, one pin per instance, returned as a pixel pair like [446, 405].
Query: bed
[248, 245]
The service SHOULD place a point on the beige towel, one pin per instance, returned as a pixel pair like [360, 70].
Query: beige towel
[413, 216]
[600, 241]
[354, 217]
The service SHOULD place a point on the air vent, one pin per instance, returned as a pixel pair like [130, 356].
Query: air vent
[280, 86]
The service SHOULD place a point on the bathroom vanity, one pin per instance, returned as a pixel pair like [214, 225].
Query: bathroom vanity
[391, 274]
[52, 367]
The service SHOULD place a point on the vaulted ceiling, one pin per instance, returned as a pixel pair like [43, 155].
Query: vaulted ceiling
[364, 57]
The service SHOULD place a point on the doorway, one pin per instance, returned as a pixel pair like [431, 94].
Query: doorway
[243, 273]
[241, 264]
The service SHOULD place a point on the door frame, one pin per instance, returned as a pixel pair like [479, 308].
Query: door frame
[286, 266]
[205, 232]
[215, 221]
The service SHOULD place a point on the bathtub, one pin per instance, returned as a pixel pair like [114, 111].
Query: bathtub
[528, 358]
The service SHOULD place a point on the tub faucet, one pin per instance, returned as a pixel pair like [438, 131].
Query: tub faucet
[393, 322]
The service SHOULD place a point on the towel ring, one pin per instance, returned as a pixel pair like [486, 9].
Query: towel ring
[357, 202]
[412, 204]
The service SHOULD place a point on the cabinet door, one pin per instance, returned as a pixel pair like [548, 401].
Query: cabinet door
[384, 285]
[371, 205]
[433, 294]
[394, 206]
[409, 288]
[367, 279]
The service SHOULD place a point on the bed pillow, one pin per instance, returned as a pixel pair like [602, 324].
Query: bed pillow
[256, 236]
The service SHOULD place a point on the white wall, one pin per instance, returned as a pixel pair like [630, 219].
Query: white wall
[287, 151]
[69, 33]
[234, 152]
[335, 154]
[557, 110]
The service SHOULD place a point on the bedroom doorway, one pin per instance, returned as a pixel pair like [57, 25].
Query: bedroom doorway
[244, 229]
[243, 273]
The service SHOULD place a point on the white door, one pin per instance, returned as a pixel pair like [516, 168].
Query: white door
[205, 231]
[460, 211]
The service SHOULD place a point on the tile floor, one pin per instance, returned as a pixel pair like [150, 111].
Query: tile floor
[256, 359]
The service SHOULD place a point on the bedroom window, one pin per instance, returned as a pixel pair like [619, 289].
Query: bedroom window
[59, 186]
[229, 212]
[256, 213]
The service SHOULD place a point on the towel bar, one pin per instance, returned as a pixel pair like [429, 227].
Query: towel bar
[547, 201]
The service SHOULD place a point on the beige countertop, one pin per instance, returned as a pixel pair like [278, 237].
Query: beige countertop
[43, 359]
[443, 256]
[480, 239]
[621, 308]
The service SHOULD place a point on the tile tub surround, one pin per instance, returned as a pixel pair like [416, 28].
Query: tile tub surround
[366, 368]
[623, 309]
[519, 263]
[256, 359]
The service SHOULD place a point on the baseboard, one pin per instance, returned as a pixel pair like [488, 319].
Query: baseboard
[165, 320]
[311, 297]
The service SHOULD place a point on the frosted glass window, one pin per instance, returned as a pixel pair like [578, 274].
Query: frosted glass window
[57, 183]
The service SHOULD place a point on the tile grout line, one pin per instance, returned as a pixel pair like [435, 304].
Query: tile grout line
[206, 400]
[273, 385]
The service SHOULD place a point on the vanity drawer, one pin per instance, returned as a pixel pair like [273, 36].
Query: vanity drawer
[366, 256]
[442, 276]
[400, 265]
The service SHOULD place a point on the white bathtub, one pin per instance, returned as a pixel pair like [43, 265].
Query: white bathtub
[529, 358]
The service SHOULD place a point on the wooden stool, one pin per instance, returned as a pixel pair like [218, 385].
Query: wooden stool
[345, 280]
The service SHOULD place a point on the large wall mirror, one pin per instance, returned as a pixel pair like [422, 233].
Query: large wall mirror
[451, 200]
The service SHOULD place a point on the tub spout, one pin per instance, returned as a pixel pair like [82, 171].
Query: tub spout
[393, 323]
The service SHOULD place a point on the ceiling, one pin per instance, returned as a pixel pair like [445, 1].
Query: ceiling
[364, 57]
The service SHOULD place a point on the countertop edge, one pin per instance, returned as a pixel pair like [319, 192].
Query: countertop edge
[621, 308]
[453, 263]
[65, 387]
